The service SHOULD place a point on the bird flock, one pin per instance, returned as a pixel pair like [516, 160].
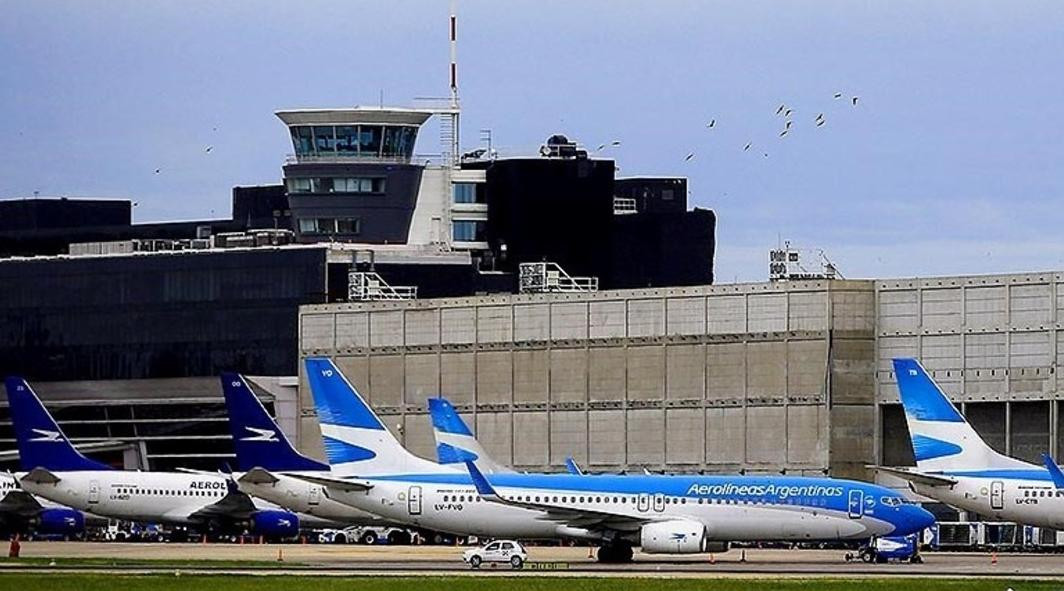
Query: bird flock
[785, 112]
[206, 150]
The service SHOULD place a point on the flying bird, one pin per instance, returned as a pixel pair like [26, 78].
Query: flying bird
[854, 100]
[601, 147]
[689, 156]
[838, 95]
[747, 147]
[711, 123]
[208, 149]
[788, 112]
[820, 123]
[780, 110]
[615, 143]
[783, 133]
[788, 126]
[765, 154]
[157, 170]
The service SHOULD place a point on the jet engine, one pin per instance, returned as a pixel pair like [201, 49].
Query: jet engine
[59, 521]
[676, 536]
[275, 524]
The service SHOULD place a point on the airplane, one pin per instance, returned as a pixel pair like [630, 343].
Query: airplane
[662, 513]
[265, 456]
[22, 513]
[56, 471]
[955, 466]
[455, 442]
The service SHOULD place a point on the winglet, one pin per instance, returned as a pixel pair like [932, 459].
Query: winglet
[1054, 471]
[480, 482]
[572, 466]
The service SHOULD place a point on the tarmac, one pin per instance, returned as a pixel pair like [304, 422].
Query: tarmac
[354, 560]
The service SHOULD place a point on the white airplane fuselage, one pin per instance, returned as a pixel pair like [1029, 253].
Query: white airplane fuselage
[168, 497]
[1033, 502]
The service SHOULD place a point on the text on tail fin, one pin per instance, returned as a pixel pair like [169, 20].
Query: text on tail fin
[920, 395]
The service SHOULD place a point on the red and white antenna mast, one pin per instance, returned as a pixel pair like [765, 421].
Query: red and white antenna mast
[454, 110]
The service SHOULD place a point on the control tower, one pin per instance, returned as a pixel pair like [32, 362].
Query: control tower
[353, 177]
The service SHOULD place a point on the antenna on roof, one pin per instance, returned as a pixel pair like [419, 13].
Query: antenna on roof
[454, 55]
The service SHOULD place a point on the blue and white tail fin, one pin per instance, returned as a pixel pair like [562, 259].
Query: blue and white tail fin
[41, 443]
[356, 441]
[455, 442]
[942, 439]
[258, 441]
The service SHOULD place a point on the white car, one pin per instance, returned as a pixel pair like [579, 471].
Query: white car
[497, 551]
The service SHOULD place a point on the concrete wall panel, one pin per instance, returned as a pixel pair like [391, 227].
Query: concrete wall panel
[646, 318]
[726, 436]
[941, 309]
[458, 377]
[568, 375]
[807, 311]
[726, 371]
[1030, 305]
[458, 325]
[568, 320]
[685, 371]
[422, 327]
[646, 373]
[606, 373]
[568, 436]
[532, 432]
[494, 377]
[899, 311]
[766, 364]
[645, 443]
[386, 380]
[608, 319]
[985, 307]
[386, 328]
[352, 330]
[417, 434]
[606, 437]
[767, 312]
[495, 432]
[685, 435]
[685, 316]
[807, 435]
[764, 424]
[726, 314]
[807, 367]
[422, 379]
[531, 375]
[495, 324]
[317, 331]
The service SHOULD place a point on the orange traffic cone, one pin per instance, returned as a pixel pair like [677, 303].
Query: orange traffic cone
[993, 557]
[590, 551]
[712, 559]
[280, 554]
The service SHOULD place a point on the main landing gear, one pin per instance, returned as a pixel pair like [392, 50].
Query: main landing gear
[615, 553]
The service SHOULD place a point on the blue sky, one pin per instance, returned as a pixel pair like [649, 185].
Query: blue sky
[950, 163]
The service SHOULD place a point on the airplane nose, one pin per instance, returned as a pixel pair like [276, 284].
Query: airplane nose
[913, 519]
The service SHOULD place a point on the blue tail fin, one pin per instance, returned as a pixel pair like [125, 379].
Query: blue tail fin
[41, 443]
[455, 442]
[355, 439]
[259, 442]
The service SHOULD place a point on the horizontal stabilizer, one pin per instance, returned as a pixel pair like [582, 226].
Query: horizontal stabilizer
[343, 484]
[258, 476]
[917, 477]
[40, 476]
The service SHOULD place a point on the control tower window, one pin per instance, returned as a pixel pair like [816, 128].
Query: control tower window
[330, 226]
[347, 139]
[465, 192]
[369, 141]
[392, 137]
[406, 141]
[324, 139]
[302, 140]
[297, 185]
[468, 231]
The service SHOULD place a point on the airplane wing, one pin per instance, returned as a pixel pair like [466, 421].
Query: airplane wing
[571, 516]
[20, 502]
[343, 484]
[258, 476]
[917, 477]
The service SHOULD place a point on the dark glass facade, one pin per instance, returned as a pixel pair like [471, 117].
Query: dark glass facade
[156, 316]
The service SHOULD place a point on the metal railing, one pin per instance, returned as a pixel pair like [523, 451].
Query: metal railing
[365, 286]
[549, 277]
[624, 206]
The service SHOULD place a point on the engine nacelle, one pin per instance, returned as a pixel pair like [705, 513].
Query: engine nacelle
[60, 521]
[273, 523]
[676, 536]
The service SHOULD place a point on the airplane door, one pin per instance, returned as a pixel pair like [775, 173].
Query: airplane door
[659, 502]
[413, 500]
[314, 495]
[644, 503]
[94, 492]
[856, 503]
[997, 495]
